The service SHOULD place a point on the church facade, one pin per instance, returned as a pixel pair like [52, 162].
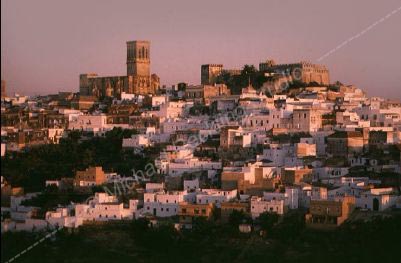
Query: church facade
[137, 81]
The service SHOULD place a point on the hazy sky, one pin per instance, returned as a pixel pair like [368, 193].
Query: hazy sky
[46, 44]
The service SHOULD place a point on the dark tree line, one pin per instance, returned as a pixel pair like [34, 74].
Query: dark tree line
[32, 167]
[137, 241]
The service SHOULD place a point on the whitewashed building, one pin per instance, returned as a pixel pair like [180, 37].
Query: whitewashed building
[104, 207]
[259, 206]
[215, 196]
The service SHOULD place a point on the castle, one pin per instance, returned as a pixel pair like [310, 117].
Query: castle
[137, 81]
[303, 71]
[210, 72]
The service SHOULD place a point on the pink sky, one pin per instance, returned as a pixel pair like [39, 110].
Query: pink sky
[46, 44]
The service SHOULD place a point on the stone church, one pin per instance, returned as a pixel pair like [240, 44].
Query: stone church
[137, 81]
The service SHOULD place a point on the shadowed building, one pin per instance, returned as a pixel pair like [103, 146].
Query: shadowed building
[326, 213]
[294, 176]
[227, 209]
[345, 143]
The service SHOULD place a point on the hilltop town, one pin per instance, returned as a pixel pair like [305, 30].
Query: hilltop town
[247, 148]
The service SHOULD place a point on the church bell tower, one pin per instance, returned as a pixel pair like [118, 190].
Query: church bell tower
[138, 58]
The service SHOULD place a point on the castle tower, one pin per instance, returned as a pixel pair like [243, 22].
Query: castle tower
[138, 58]
[210, 72]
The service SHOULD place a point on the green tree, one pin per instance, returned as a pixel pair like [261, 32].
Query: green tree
[239, 217]
[267, 220]
[291, 226]
[248, 70]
